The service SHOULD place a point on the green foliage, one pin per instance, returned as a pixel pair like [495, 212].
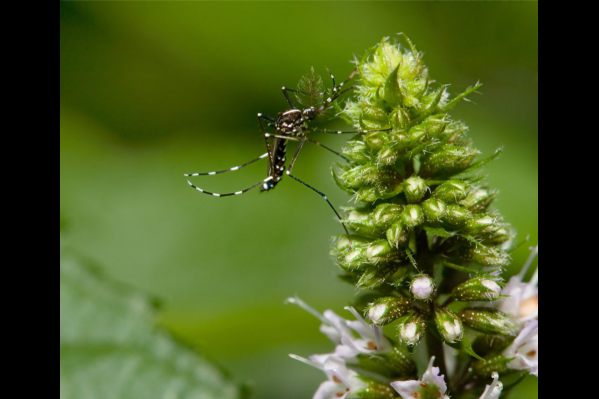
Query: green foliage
[110, 348]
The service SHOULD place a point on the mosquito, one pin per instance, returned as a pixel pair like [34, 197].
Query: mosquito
[292, 124]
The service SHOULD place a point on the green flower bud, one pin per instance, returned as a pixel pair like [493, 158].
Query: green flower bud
[400, 360]
[478, 199]
[373, 223]
[488, 320]
[422, 287]
[434, 209]
[449, 325]
[385, 214]
[344, 243]
[376, 140]
[397, 235]
[387, 309]
[450, 159]
[363, 254]
[398, 277]
[414, 188]
[456, 216]
[410, 329]
[489, 256]
[412, 216]
[383, 190]
[356, 151]
[361, 222]
[486, 367]
[416, 135]
[372, 278]
[485, 344]
[358, 176]
[368, 194]
[400, 118]
[451, 192]
[477, 289]
[392, 364]
[499, 236]
[387, 156]
[484, 224]
[373, 118]
[372, 390]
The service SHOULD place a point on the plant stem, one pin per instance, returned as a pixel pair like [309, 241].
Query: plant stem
[435, 348]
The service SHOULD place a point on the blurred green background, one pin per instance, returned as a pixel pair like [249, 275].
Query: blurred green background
[150, 90]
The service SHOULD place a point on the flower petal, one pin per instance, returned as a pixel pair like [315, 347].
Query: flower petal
[406, 389]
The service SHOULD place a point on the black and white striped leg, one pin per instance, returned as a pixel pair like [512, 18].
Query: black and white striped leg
[318, 143]
[269, 121]
[266, 135]
[327, 131]
[337, 89]
[242, 191]
[231, 169]
[324, 197]
[286, 91]
[334, 87]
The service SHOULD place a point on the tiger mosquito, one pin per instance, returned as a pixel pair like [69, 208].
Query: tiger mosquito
[289, 125]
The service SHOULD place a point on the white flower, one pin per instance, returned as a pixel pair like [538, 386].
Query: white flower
[422, 287]
[376, 313]
[494, 390]
[453, 331]
[431, 384]
[521, 300]
[341, 381]
[524, 350]
[351, 336]
[409, 333]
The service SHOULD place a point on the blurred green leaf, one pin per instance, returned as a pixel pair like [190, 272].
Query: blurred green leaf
[110, 348]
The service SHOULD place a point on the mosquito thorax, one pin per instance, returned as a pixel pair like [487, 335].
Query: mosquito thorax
[289, 120]
[309, 113]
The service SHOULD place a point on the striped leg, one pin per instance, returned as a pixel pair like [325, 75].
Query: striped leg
[232, 169]
[327, 131]
[323, 195]
[242, 191]
[286, 92]
[309, 140]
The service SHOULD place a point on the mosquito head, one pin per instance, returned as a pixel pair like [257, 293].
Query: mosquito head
[309, 113]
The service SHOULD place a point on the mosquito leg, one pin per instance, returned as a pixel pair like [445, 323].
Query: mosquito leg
[280, 136]
[334, 87]
[269, 121]
[308, 140]
[324, 197]
[242, 191]
[232, 169]
[327, 131]
[286, 91]
[318, 143]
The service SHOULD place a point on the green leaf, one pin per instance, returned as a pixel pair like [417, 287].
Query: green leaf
[110, 348]
[392, 93]
[466, 346]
